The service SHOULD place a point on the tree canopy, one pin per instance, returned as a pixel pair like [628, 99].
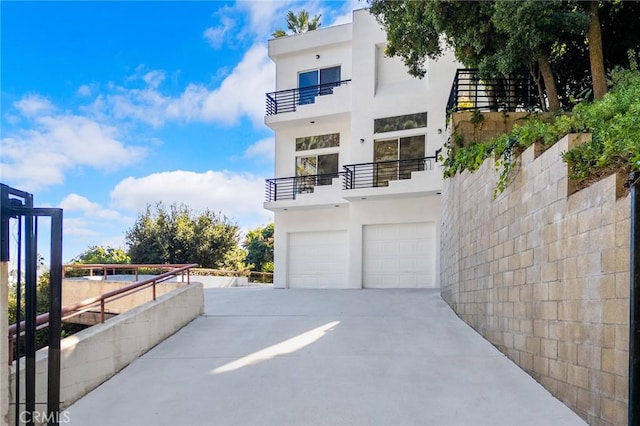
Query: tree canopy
[179, 235]
[105, 255]
[298, 24]
[555, 40]
[259, 246]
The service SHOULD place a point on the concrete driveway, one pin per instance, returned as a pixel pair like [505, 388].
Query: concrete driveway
[261, 356]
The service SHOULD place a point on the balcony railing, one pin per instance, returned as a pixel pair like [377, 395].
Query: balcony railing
[354, 176]
[288, 100]
[470, 92]
[372, 175]
[289, 187]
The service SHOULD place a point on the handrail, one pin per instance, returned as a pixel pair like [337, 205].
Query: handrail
[354, 176]
[287, 188]
[288, 100]
[77, 308]
[106, 267]
[378, 174]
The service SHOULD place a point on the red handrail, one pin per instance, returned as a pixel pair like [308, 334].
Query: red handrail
[77, 308]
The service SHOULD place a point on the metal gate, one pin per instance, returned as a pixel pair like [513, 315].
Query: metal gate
[18, 213]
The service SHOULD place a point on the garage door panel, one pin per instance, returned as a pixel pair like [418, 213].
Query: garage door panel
[399, 255]
[317, 259]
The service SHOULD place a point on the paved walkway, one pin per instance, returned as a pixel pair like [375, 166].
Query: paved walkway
[261, 356]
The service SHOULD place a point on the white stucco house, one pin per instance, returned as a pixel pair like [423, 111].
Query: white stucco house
[357, 189]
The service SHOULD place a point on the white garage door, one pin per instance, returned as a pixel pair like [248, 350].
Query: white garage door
[401, 255]
[318, 259]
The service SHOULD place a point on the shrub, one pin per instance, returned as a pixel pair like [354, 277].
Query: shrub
[613, 121]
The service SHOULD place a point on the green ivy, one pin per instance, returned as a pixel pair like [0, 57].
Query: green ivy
[613, 121]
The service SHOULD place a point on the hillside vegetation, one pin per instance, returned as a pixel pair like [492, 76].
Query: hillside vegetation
[613, 121]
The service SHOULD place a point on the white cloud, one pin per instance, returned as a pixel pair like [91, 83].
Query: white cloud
[31, 105]
[75, 202]
[216, 35]
[84, 90]
[266, 16]
[263, 150]
[237, 195]
[39, 157]
[78, 203]
[240, 94]
[78, 227]
[154, 78]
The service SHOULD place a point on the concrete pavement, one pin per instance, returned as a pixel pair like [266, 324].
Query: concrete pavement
[261, 356]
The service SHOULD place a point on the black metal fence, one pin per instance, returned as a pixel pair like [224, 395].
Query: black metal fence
[289, 187]
[288, 100]
[355, 176]
[471, 92]
[17, 207]
[371, 175]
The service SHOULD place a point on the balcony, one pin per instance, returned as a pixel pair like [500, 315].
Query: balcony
[357, 177]
[375, 175]
[290, 100]
[471, 92]
[288, 188]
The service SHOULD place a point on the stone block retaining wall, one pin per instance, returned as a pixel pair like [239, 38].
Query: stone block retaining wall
[544, 276]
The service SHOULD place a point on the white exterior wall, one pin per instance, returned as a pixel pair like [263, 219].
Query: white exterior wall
[398, 94]
[380, 87]
[286, 143]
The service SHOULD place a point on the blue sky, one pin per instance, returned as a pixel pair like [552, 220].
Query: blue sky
[109, 106]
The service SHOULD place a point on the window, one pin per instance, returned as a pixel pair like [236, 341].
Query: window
[397, 158]
[317, 82]
[318, 142]
[315, 170]
[400, 122]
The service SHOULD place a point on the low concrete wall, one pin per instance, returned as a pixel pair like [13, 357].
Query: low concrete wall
[544, 276]
[74, 291]
[92, 356]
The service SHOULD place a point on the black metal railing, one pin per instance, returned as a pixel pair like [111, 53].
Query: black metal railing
[471, 92]
[288, 100]
[372, 175]
[288, 188]
[354, 176]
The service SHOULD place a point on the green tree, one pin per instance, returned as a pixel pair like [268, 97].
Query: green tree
[179, 235]
[536, 33]
[105, 255]
[298, 24]
[499, 37]
[259, 245]
[558, 41]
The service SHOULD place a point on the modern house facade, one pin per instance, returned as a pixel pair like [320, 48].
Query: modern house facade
[357, 187]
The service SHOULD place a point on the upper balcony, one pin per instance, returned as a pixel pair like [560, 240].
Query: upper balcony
[307, 103]
[472, 92]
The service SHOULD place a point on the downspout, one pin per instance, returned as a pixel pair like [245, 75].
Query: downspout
[634, 303]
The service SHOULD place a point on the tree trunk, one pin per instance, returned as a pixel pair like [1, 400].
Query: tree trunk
[595, 52]
[536, 78]
[549, 83]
